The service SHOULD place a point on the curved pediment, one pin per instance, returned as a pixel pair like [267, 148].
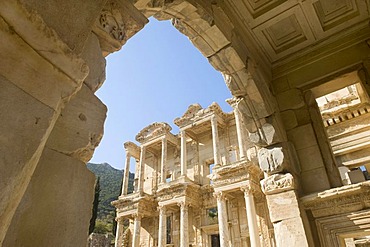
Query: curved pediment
[195, 112]
[152, 131]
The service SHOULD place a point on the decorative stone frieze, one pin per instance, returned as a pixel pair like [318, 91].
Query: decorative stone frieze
[277, 183]
[340, 200]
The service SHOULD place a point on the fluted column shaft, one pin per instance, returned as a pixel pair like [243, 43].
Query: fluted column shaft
[252, 217]
[163, 160]
[216, 151]
[118, 232]
[183, 153]
[137, 228]
[184, 224]
[239, 132]
[141, 169]
[126, 174]
[222, 220]
[162, 232]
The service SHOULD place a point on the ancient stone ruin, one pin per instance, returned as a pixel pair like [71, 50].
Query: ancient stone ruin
[288, 167]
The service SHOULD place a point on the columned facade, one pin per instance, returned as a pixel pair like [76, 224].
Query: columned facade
[137, 229]
[141, 170]
[163, 159]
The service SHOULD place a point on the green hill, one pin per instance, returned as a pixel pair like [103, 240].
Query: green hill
[110, 189]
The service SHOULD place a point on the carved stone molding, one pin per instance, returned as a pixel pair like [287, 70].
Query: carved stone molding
[118, 21]
[277, 183]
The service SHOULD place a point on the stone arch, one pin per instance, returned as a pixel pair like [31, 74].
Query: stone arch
[212, 32]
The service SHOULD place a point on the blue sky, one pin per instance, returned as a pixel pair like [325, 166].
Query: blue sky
[154, 78]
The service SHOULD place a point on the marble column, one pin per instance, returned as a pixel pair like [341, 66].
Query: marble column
[126, 174]
[136, 235]
[118, 232]
[184, 224]
[141, 170]
[183, 153]
[164, 160]
[216, 151]
[251, 216]
[239, 132]
[162, 232]
[222, 219]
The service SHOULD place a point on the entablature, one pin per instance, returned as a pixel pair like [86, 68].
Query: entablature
[345, 199]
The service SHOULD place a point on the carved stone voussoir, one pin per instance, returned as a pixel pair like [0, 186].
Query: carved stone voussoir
[277, 183]
[271, 160]
[118, 21]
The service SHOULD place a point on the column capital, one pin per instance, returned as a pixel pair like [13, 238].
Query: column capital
[183, 205]
[220, 195]
[161, 208]
[249, 189]
[136, 216]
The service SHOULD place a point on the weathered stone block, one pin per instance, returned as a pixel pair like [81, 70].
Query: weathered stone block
[315, 180]
[92, 54]
[25, 125]
[292, 99]
[290, 233]
[56, 207]
[289, 119]
[82, 121]
[302, 136]
[310, 158]
[72, 20]
[283, 206]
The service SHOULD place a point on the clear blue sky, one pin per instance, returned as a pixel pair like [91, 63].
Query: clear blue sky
[154, 78]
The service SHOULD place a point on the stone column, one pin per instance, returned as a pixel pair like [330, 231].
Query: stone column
[183, 153]
[239, 132]
[141, 170]
[251, 216]
[126, 174]
[216, 154]
[136, 235]
[184, 225]
[222, 220]
[118, 232]
[162, 232]
[163, 160]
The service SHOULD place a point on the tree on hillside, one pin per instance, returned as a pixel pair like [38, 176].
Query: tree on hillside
[95, 206]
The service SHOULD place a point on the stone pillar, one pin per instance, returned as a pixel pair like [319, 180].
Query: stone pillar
[141, 170]
[164, 160]
[184, 225]
[183, 153]
[162, 232]
[136, 235]
[216, 154]
[118, 233]
[239, 132]
[284, 211]
[222, 220]
[126, 174]
[251, 216]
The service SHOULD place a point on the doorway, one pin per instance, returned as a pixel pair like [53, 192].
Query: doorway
[215, 240]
